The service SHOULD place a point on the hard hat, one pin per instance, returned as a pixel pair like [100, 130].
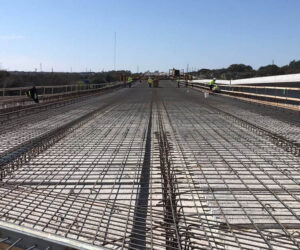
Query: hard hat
[215, 78]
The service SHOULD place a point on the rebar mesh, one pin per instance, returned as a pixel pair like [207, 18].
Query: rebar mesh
[161, 171]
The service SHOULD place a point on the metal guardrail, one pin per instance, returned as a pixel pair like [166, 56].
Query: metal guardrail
[11, 97]
[277, 95]
[12, 105]
[50, 90]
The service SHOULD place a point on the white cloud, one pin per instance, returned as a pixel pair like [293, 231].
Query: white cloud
[11, 37]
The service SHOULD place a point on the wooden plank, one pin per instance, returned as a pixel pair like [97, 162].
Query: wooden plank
[274, 104]
[266, 96]
[260, 87]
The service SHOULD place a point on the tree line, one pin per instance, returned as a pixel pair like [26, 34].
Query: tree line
[240, 71]
[234, 71]
[24, 79]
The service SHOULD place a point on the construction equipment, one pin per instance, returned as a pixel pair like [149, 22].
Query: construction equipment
[175, 73]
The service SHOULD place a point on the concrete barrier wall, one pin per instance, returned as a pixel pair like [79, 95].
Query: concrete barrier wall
[292, 78]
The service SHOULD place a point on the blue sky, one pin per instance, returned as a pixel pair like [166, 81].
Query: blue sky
[151, 34]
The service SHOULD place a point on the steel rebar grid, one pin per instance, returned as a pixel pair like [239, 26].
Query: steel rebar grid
[279, 122]
[111, 156]
[231, 188]
[14, 132]
[208, 130]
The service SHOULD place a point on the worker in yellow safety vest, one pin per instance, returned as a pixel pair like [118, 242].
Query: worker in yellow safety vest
[149, 82]
[32, 93]
[216, 89]
[129, 81]
[211, 84]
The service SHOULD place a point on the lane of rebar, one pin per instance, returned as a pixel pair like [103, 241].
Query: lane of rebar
[17, 131]
[203, 127]
[282, 123]
[182, 176]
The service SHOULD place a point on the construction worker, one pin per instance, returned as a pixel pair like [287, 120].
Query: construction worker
[129, 81]
[32, 93]
[211, 84]
[216, 89]
[149, 82]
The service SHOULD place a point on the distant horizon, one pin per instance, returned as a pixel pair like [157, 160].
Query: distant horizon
[37, 71]
[102, 35]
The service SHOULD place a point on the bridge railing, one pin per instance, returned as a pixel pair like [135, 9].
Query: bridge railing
[289, 80]
[272, 94]
[15, 98]
[50, 90]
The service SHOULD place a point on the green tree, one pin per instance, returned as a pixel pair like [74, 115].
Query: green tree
[270, 70]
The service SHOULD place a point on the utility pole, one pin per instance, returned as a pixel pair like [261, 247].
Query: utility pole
[115, 51]
[41, 67]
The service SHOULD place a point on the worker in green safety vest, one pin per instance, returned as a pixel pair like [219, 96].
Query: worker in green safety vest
[211, 84]
[32, 93]
[129, 81]
[150, 82]
[216, 89]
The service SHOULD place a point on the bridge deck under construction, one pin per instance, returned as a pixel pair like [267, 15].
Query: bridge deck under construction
[151, 168]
